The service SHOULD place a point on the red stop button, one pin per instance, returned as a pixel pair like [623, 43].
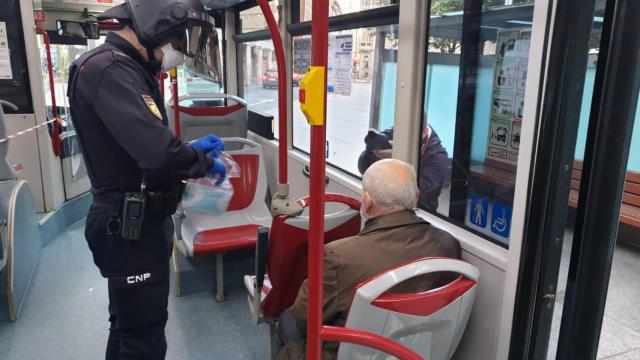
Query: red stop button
[302, 95]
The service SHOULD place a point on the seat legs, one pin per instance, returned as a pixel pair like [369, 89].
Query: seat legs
[176, 270]
[274, 341]
[219, 296]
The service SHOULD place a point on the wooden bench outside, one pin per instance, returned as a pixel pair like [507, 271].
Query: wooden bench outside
[630, 209]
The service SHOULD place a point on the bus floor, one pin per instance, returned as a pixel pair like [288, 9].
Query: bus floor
[620, 335]
[65, 314]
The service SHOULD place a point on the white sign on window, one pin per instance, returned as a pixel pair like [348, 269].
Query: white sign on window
[339, 70]
[5, 54]
[339, 62]
[507, 107]
[301, 55]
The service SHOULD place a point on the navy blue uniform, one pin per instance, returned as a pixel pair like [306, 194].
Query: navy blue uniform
[434, 166]
[119, 114]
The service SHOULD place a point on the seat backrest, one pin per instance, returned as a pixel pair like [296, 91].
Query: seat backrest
[430, 323]
[6, 170]
[228, 118]
[288, 244]
[251, 185]
[244, 186]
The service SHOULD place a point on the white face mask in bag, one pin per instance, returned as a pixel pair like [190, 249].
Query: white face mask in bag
[171, 58]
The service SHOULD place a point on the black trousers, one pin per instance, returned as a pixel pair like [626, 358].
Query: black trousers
[137, 272]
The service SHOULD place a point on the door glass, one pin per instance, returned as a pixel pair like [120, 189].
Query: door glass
[468, 160]
[620, 334]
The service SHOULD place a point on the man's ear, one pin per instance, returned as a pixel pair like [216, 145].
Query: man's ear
[366, 201]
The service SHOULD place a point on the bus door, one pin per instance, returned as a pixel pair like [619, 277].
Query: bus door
[583, 220]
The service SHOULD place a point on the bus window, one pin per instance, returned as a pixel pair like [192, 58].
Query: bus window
[61, 58]
[361, 100]
[14, 73]
[469, 151]
[260, 77]
[341, 7]
[253, 20]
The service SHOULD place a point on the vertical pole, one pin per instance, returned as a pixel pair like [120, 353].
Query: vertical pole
[282, 93]
[320, 42]
[52, 87]
[176, 102]
[467, 88]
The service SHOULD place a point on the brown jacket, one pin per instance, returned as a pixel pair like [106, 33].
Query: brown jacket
[384, 243]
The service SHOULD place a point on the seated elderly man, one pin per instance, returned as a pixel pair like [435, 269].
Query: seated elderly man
[393, 234]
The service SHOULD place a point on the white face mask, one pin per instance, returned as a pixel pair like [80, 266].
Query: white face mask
[363, 214]
[171, 58]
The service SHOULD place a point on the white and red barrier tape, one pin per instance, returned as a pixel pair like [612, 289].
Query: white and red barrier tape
[20, 133]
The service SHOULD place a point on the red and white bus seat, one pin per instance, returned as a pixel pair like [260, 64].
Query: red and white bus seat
[430, 323]
[199, 234]
[220, 114]
[286, 256]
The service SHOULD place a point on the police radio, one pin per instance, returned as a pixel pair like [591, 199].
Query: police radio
[133, 213]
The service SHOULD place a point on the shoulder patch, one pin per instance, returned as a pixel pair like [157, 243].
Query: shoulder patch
[148, 100]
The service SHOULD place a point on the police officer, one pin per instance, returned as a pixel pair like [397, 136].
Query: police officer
[135, 163]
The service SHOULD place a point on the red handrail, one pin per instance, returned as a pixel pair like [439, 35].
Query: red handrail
[282, 92]
[52, 87]
[320, 42]
[55, 129]
[335, 198]
[364, 338]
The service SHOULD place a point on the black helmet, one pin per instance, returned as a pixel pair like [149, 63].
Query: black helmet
[157, 21]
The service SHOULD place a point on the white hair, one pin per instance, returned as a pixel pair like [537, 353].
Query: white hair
[391, 185]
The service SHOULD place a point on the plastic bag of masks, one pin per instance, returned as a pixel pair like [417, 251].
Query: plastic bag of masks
[204, 196]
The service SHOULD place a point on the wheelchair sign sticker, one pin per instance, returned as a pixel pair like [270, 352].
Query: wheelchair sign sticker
[501, 220]
[479, 211]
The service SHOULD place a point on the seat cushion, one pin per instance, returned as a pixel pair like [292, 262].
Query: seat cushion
[225, 239]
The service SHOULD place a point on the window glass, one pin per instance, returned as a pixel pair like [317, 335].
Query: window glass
[361, 99]
[253, 20]
[260, 78]
[622, 311]
[479, 195]
[61, 58]
[341, 7]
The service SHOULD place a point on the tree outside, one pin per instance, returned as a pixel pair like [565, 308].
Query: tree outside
[439, 7]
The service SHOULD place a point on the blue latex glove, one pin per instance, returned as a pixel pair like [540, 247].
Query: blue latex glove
[218, 169]
[210, 144]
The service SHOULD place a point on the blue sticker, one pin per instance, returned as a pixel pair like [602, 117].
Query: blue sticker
[479, 211]
[501, 220]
